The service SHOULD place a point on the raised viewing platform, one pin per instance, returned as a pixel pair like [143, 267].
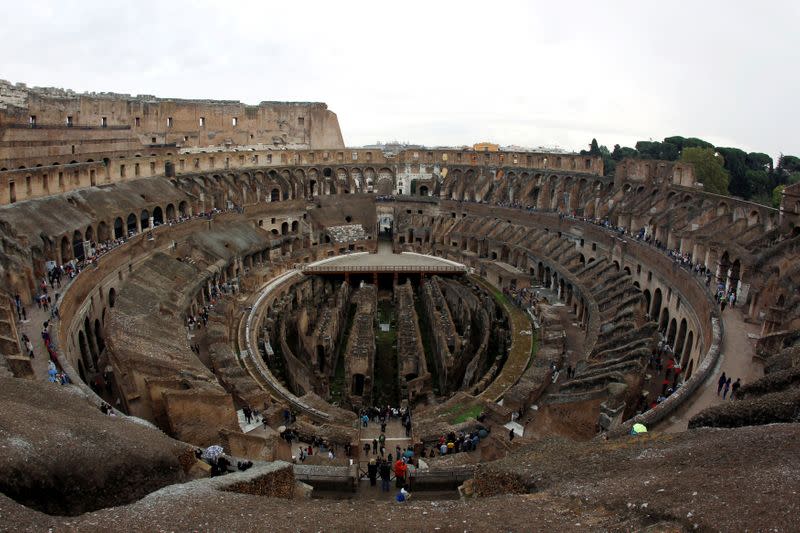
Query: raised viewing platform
[385, 262]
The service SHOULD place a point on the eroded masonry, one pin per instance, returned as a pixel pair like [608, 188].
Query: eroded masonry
[233, 275]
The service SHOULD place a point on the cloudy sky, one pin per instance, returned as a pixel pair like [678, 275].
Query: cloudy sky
[443, 73]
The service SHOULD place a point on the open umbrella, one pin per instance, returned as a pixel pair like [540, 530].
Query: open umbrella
[213, 452]
[638, 428]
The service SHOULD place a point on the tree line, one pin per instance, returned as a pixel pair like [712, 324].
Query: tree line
[722, 170]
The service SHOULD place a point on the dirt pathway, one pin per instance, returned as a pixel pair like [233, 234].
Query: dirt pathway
[736, 360]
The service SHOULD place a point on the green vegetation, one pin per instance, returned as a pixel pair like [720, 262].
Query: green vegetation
[499, 296]
[426, 334]
[534, 346]
[385, 387]
[751, 176]
[461, 413]
[338, 384]
[709, 169]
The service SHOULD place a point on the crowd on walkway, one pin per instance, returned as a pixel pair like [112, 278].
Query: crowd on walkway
[667, 369]
[725, 298]
[684, 259]
[724, 386]
[60, 276]
[313, 445]
[404, 470]
[456, 443]
[96, 250]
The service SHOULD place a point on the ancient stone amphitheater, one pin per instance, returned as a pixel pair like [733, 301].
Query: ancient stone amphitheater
[175, 264]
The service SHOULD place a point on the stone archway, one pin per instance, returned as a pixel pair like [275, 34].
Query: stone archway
[385, 186]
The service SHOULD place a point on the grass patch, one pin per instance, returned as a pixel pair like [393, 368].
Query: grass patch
[499, 296]
[461, 413]
[534, 345]
[338, 383]
[386, 388]
[427, 344]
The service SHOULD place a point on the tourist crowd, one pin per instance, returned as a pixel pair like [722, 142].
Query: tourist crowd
[684, 259]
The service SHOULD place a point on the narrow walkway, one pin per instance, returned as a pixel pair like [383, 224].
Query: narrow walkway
[32, 327]
[395, 436]
[521, 346]
[736, 360]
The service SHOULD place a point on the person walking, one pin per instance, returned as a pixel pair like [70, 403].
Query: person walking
[721, 383]
[735, 388]
[385, 471]
[18, 305]
[726, 388]
[372, 472]
[400, 472]
[28, 345]
[374, 446]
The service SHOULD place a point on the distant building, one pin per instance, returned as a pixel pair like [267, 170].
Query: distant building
[486, 147]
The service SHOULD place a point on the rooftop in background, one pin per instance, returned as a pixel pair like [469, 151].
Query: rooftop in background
[15, 94]
[395, 147]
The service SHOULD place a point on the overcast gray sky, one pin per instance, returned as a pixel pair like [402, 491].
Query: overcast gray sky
[443, 73]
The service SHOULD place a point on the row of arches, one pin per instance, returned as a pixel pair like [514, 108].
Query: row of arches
[288, 183]
[74, 245]
[566, 193]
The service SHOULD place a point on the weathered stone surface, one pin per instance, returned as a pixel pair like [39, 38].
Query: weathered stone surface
[61, 455]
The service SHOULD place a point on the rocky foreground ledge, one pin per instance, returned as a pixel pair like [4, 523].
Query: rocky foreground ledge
[704, 479]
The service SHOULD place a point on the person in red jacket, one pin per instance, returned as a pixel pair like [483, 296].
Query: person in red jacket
[400, 472]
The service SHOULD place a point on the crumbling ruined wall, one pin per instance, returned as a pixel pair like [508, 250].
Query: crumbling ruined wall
[198, 416]
[328, 329]
[359, 354]
[306, 326]
[462, 323]
[413, 371]
[472, 310]
[447, 344]
[108, 122]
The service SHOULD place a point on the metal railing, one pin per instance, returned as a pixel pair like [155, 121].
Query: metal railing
[384, 268]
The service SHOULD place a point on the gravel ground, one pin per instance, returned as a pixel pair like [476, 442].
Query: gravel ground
[742, 479]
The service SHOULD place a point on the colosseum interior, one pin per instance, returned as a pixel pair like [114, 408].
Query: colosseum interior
[193, 274]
